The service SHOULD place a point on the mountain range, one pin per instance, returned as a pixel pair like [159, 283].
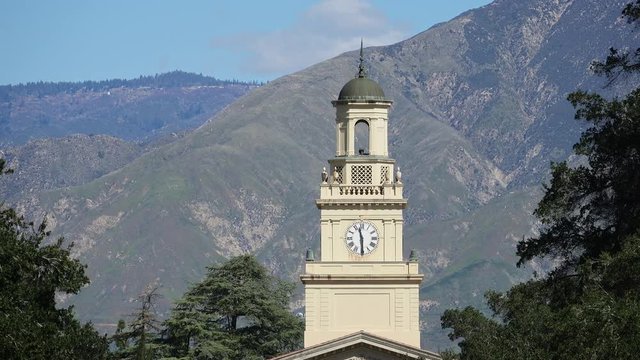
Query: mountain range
[133, 110]
[479, 112]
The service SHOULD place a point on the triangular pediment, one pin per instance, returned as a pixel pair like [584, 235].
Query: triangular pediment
[360, 346]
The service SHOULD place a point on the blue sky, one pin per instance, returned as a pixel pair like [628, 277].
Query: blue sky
[78, 40]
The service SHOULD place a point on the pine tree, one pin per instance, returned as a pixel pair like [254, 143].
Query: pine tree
[588, 307]
[237, 312]
[139, 341]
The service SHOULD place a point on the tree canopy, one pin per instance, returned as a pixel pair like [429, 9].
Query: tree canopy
[238, 311]
[588, 307]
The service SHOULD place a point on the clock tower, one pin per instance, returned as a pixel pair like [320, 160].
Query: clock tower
[360, 281]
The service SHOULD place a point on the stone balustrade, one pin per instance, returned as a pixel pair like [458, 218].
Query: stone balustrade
[343, 191]
[361, 190]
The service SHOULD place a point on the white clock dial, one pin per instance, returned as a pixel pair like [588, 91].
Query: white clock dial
[362, 237]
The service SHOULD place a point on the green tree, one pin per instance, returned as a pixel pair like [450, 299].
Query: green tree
[621, 62]
[588, 307]
[238, 311]
[139, 341]
[32, 271]
[3, 167]
[119, 339]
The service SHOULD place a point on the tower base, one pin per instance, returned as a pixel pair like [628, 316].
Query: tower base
[381, 298]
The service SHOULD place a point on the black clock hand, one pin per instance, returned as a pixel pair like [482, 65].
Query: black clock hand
[361, 240]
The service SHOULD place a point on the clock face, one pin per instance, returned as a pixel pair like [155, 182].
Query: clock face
[362, 238]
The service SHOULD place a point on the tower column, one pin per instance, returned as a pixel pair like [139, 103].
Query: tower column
[361, 281]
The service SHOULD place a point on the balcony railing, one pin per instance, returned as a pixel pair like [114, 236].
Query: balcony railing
[343, 191]
[355, 190]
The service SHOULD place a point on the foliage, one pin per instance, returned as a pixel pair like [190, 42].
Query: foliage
[3, 168]
[588, 307]
[449, 355]
[238, 311]
[544, 319]
[140, 340]
[119, 339]
[620, 62]
[592, 209]
[32, 272]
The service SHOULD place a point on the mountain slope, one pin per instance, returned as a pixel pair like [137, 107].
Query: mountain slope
[478, 114]
[46, 164]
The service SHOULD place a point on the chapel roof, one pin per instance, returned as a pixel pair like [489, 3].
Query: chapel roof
[358, 343]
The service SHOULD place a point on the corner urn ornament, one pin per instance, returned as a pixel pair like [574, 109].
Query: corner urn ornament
[336, 175]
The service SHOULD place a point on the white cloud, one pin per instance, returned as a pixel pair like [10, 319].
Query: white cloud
[327, 29]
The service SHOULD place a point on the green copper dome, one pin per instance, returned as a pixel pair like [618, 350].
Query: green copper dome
[361, 88]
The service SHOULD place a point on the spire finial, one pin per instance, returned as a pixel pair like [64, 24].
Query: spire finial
[361, 69]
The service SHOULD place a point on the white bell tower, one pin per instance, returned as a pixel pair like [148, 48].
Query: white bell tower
[360, 281]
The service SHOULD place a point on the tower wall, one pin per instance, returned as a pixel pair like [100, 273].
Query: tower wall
[361, 281]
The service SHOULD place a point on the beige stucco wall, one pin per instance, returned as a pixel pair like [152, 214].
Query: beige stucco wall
[344, 297]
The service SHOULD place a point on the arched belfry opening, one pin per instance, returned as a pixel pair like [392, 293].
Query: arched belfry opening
[362, 137]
